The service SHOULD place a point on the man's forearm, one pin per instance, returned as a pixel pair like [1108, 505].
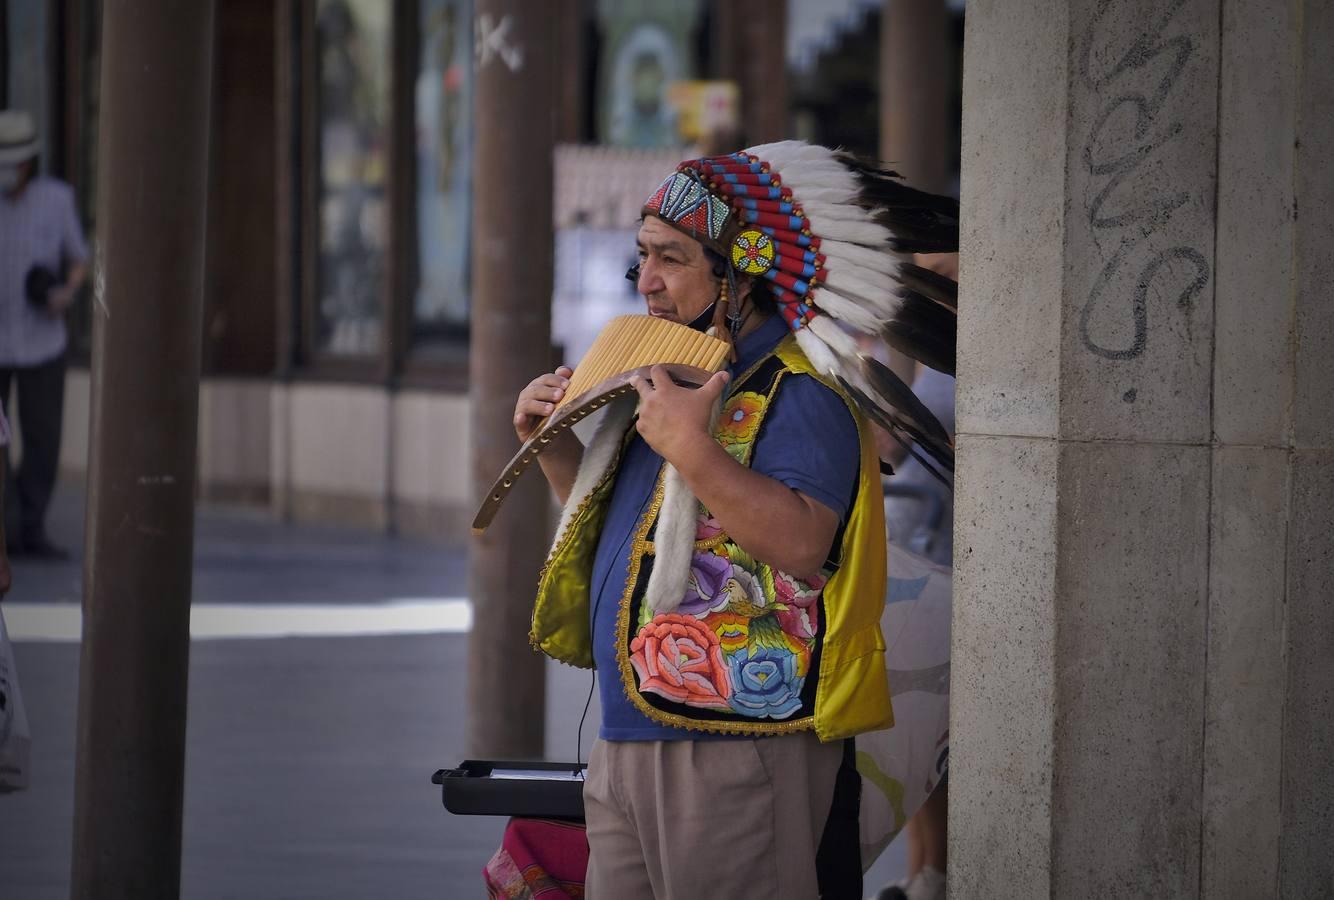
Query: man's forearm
[766, 518]
[560, 464]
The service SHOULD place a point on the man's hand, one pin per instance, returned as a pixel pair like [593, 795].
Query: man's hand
[673, 419]
[560, 460]
[538, 400]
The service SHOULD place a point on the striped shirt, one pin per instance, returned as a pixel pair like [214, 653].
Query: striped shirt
[39, 227]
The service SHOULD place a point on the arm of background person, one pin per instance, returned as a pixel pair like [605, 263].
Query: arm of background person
[74, 252]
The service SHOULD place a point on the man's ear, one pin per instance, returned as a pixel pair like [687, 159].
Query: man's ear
[743, 286]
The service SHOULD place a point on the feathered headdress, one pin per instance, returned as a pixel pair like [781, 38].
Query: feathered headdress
[831, 233]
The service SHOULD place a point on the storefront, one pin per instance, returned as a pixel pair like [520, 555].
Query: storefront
[335, 340]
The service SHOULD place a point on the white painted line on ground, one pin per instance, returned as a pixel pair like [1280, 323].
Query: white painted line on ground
[230, 621]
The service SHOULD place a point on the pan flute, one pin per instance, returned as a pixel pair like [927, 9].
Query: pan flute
[626, 347]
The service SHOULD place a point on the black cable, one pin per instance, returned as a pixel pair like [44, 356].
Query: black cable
[592, 683]
[579, 736]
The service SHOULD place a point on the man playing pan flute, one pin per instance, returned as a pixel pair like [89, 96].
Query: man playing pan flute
[721, 559]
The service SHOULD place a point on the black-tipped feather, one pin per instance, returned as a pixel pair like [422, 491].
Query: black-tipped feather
[892, 389]
[912, 451]
[885, 187]
[899, 428]
[933, 285]
[921, 222]
[917, 233]
[924, 331]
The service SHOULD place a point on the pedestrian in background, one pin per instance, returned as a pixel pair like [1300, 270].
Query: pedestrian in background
[43, 262]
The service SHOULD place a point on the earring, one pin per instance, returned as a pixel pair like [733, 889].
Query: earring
[734, 318]
[722, 322]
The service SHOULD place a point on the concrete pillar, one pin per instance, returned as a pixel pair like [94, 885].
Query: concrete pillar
[1145, 487]
[915, 62]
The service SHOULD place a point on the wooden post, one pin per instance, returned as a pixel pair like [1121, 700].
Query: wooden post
[751, 49]
[511, 341]
[915, 60]
[156, 57]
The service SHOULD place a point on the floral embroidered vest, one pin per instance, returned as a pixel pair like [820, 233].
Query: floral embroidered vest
[750, 650]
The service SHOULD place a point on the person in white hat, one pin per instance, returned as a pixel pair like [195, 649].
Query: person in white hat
[43, 262]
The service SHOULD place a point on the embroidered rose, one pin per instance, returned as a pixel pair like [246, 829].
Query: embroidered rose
[798, 609]
[765, 683]
[706, 588]
[706, 526]
[740, 418]
[733, 631]
[679, 657]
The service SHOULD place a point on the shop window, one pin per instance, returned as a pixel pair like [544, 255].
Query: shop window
[352, 62]
[442, 111]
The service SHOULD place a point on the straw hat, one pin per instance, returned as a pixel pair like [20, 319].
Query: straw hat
[18, 137]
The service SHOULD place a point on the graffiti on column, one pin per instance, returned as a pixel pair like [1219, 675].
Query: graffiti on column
[1138, 85]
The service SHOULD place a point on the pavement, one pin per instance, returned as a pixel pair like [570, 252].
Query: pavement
[308, 756]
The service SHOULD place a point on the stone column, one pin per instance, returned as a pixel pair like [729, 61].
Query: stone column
[1145, 491]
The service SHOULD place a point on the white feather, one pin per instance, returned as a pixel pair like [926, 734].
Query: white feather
[863, 318]
[856, 256]
[785, 152]
[868, 233]
[811, 172]
[846, 354]
[878, 297]
[816, 350]
[816, 194]
[842, 344]
[841, 211]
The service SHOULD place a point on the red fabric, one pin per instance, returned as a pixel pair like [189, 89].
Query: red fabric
[769, 180]
[538, 859]
[732, 168]
[775, 206]
[775, 221]
[789, 282]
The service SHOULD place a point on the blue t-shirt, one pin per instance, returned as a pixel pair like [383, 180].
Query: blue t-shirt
[808, 441]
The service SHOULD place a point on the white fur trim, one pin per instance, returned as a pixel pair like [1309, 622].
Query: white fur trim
[598, 456]
[673, 544]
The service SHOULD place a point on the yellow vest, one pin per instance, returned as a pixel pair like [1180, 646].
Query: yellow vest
[851, 687]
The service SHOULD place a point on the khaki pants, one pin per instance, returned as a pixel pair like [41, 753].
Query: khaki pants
[696, 820]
